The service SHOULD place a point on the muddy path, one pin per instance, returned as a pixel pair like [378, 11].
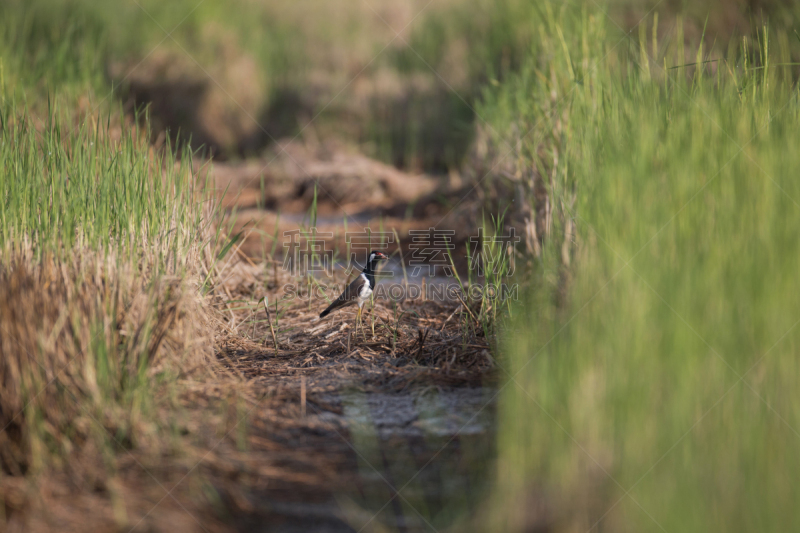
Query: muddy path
[390, 429]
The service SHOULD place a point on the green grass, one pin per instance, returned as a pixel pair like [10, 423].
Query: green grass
[653, 383]
[67, 185]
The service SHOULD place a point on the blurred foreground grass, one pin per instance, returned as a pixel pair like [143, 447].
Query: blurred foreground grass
[652, 371]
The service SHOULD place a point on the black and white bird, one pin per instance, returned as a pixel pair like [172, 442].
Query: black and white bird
[359, 290]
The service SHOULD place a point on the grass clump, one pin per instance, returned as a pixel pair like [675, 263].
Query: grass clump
[103, 245]
[89, 186]
[653, 378]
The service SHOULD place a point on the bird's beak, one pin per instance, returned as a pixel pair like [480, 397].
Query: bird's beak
[381, 256]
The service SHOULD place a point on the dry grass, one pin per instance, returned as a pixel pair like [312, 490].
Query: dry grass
[83, 340]
[420, 338]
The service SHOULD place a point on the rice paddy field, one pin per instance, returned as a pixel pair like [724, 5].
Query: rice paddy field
[162, 367]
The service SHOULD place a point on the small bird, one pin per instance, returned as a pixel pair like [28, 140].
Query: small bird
[359, 291]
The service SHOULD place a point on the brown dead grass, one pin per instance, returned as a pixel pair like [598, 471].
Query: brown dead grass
[56, 315]
[89, 343]
[421, 338]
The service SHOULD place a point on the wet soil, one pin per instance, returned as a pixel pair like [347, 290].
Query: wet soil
[416, 460]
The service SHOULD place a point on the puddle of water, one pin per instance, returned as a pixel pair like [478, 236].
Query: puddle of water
[436, 413]
[423, 457]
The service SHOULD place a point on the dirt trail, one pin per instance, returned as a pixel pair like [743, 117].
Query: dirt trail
[392, 429]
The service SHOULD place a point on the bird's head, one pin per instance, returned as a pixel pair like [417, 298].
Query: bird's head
[377, 256]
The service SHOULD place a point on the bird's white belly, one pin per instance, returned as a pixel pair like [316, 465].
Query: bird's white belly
[365, 292]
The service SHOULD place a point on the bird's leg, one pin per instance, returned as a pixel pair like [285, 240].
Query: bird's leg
[372, 322]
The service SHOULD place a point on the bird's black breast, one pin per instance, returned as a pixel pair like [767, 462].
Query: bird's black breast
[370, 278]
